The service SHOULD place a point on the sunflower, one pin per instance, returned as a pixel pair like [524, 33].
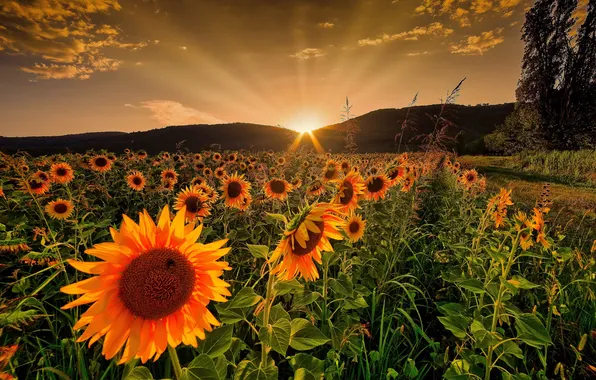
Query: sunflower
[277, 188]
[216, 157]
[232, 157]
[331, 171]
[60, 209]
[281, 161]
[198, 180]
[242, 166]
[395, 174]
[41, 175]
[296, 183]
[136, 180]
[153, 288]
[272, 171]
[207, 172]
[167, 185]
[220, 172]
[469, 177]
[61, 172]
[194, 201]
[354, 227]
[36, 186]
[315, 189]
[169, 175]
[165, 156]
[236, 190]
[305, 237]
[407, 184]
[14, 246]
[142, 154]
[376, 186]
[345, 167]
[348, 191]
[100, 163]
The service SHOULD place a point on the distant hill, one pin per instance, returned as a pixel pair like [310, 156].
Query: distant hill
[377, 131]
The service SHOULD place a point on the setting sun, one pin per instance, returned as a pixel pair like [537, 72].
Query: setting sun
[305, 122]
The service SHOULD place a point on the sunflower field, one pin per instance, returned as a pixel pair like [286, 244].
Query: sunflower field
[269, 265]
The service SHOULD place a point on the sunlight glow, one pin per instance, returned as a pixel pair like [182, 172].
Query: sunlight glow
[305, 122]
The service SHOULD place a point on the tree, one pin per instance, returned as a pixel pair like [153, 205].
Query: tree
[558, 71]
[352, 128]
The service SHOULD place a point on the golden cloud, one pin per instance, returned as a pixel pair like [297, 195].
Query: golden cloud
[60, 33]
[478, 45]
[434, 29]
[308, 53]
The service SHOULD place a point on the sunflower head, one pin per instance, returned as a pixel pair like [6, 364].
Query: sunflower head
[207, 172]
[169, 175]
[354, 227]
[194, 201]
[136, 180]
[100, 163]
[277, 188]
[151, 289]
[220, 172]
[376, 186]
[42, 176]
[61, 172]
[60, 209]
[305, 237]
[349, 190]
[36, 186]
[236, 190]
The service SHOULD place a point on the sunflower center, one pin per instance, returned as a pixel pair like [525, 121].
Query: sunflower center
[193, 204]
[278, 186]
[329, 173]
[348, 193]
[101, 162]
[354, 227]
[470, 177]
[169, 175]
[61, 172]
[234, 189]
[313, 239]
[34, 184]
[375, 185]
[157, 283]
[42, 176]
[60, 208]
[137, 181]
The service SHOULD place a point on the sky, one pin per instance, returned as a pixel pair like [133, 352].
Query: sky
[74, 66]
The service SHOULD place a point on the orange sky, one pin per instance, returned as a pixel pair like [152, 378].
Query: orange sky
[72, 66]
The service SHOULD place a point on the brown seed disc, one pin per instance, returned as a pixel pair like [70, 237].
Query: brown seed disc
[313, 239]
[234, 189]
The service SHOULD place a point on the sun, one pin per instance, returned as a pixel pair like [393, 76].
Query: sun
[305, 122]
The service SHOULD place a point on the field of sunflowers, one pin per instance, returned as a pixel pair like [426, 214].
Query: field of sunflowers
[264, 265]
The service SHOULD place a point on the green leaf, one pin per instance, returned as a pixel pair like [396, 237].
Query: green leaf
[305, 336]
[483, 337]
[304, 374]
[309, 362]
[230, 316]
[276, 335]
[473, 285]
[305, 298]
[457, 324]
[217, 342]
[246, 297]
[354, 303]
[277, 312]
[201, 368]
[521, 283]
[221, 364]
[508, 351]
[139, 373]
[342, 286]
[410, 369]
[278, 217]
[259, 251]
[248, 370]
[285, 287]
[531, 330]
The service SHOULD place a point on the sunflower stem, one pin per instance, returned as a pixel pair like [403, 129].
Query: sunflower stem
[175, 361]
[266, 311]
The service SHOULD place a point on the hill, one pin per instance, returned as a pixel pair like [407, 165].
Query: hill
[378, 129]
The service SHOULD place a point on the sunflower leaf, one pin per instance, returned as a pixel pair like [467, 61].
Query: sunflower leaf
[276, 335]
[201, 368]
[258, 251]
[305, 336]
[217, 342]
[139, 373]
[246, 297]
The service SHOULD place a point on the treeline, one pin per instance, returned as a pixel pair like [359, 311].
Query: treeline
[556, 94]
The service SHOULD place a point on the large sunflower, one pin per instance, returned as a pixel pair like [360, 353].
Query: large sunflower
[277, 188]
[354, 227]
[61, 172]
[331, 171]
[195, 201]
[59, 209]
[100, 163]
[236, 190]
[315, 189]
[376, 186]
[152, 288]
[305, 237]
[348, 191]
[136, 180]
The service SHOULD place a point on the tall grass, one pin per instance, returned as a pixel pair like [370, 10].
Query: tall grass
[569, 166]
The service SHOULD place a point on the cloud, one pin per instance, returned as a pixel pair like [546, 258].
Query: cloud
[183, 47]
[169, 112]
[61, 36]
[308, 53]
[435, 29]
[461, 10]
[326, 25]
[415, 54]
[478, 45]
